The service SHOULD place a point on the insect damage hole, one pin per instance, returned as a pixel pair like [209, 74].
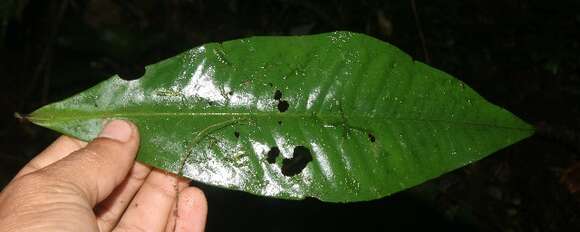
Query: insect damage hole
[283, 106]
[300, 158]
[237, 134]
[131, 73]
[277, 95]
[273, 153]
[372, 137]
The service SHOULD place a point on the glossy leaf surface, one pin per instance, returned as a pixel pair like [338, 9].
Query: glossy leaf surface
[338, 116]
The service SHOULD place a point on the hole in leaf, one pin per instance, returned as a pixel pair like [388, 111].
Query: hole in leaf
[279, 122]
[277, 95]
[131, 73]
[273, 154]
[231, 93]
[372, 138]
[270, 84]
[300, 158]
[237, 134]
[283, 106]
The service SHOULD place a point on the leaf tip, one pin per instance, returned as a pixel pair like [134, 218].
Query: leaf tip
[20, 117]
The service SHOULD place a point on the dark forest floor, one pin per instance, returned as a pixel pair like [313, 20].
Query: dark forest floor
[522, 55]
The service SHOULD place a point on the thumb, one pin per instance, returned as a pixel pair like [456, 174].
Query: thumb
[99, 167]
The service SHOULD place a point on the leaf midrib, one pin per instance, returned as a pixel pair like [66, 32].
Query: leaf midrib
[335, 118]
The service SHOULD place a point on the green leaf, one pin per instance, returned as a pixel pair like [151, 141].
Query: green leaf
[360, 116]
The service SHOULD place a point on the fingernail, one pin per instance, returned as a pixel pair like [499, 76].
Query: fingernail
[118, 130]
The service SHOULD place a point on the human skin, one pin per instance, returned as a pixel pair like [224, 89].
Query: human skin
[75, 186]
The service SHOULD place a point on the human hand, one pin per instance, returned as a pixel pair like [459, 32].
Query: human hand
[74, 186]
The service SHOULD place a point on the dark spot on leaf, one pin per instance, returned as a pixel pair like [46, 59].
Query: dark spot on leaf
[300, 158]
[372, 138]
[237, 134]
[270, 84]
[277, 95]
[283, 106]
[231, 93]
[273, 154]
[279, 122]
[131, 73]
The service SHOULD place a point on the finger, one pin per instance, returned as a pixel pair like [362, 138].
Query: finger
[192, 211]
[95, 170]
[59, 149]
[152, 205]
[110, 210]
[174, 214]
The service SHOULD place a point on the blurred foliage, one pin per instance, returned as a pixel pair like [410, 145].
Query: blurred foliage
[9, 9]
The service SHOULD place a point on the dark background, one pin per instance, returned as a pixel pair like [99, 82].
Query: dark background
[520, 54]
